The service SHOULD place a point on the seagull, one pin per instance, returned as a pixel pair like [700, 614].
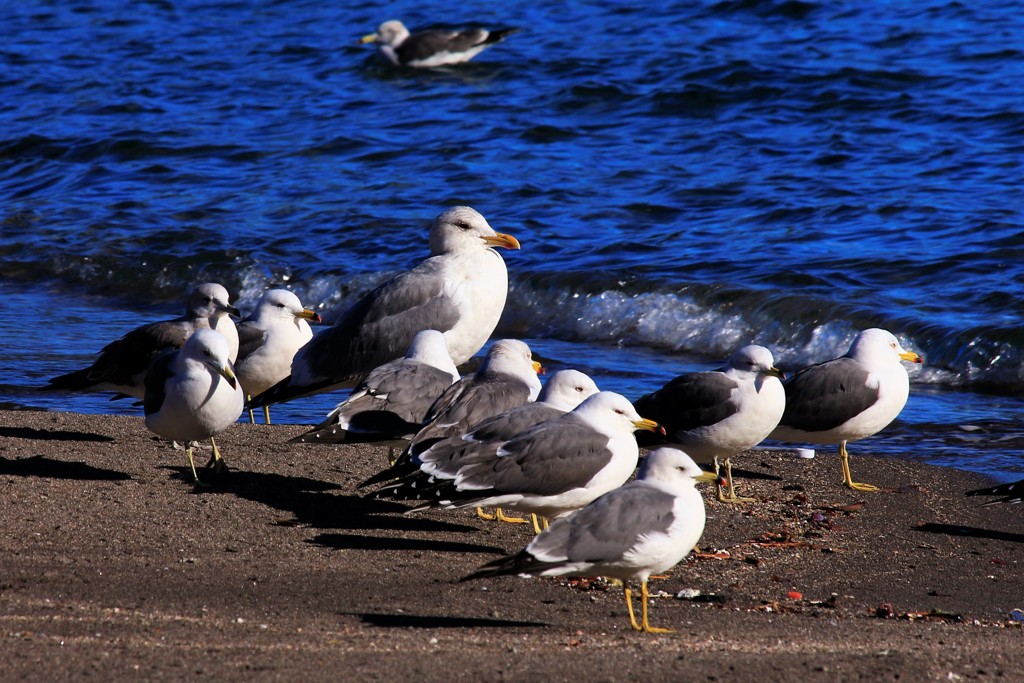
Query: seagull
[554, 468]
[268, 339]
[565, 390]
[1012, 492]
[393, 400]
[432, 47]
[507, 378]
[720, 413]
[459, 290]
[122, 364]
[848, 398]
[193, 394]
[642, 528]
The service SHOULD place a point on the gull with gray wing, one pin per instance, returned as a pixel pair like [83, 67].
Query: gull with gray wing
[392, 402]
[642, 528]
[459, 290]
[432, 47]
[720, 413]
[848, 398]
[122, 364]
[554, 468]
[269, 339]
[192, 394]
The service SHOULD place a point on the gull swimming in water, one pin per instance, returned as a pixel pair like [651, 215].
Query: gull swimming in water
[432, 47]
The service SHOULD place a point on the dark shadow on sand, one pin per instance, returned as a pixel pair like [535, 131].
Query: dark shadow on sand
[739, 473]
[48, 468]
[358, 542]
[414, 621]
[315, 503]
[973, 532]
[52, 435]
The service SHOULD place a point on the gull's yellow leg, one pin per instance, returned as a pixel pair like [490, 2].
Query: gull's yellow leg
[629, 606]
[216, 461]
[732, 497]
[847, 477]
[485, 515]
[500, 515]
[191, 462]
[252, 418]
[647, 628]
[266, 414]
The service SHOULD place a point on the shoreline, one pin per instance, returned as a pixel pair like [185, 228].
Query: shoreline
[115, 567]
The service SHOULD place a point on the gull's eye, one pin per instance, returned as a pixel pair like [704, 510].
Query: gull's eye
[620, 411]
[462, 225]
[578, 389]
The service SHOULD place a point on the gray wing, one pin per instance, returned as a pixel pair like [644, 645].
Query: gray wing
[380, 327]
[123, 359]
[608, 528]
[512, 422]
[447, 456]
[159, 372]
[476, 402]
[548, 460]
[690, 401]
[824, 396]
[250, 338]
[423, 44]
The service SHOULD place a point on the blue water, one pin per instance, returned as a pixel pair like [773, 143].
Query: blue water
[685, 179]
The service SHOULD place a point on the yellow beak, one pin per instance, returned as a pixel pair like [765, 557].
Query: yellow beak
[502, 240]
[309, 315]
[227, 374]
[648, 425]
[370, 38]
[911, 356]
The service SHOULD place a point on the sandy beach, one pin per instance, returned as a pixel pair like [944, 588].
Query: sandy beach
[114, 567]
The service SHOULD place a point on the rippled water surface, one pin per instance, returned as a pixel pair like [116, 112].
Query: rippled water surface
[684, 178]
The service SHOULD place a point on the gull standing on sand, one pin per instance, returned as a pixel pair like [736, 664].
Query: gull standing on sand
[507, 378]
[393, 400]
[122, 364]
[268, 340]
[459, 290]
[642, 528]
[192, 394]
[554, 468]
[432, 47]
[720, 413]
[563, 391]
[848, 398]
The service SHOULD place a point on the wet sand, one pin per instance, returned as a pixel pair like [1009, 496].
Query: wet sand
[114, 567]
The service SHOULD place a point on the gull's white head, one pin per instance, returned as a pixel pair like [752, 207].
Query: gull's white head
[391, 33]
[754, 359]
[566, 389]
[611, 413]
[430, 347]
[877, 346]
[673, 466]
[209, 348]
[462, 228]
[210, 300]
